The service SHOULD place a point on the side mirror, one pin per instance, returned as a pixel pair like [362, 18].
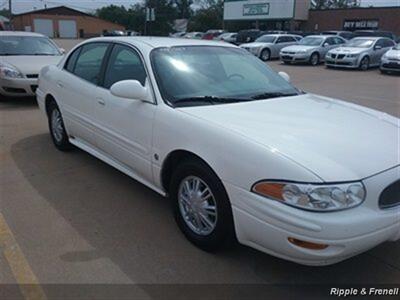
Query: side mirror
[285, 76]
[325, 44]
[62, 50]
[130, 89]
[377, 47]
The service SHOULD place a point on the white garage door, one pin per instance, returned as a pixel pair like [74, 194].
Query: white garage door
[44, 26]
[67, 29]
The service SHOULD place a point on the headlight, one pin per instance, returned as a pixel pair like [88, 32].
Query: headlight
[353, 55]
[8, 71]
[314, 197]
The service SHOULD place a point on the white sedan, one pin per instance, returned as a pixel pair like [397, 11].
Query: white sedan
[239, 151]
[22, 56]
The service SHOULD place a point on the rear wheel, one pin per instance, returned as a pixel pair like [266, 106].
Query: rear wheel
[57, 128]
[364, 64]
[201, 206]
[314, 59]
[265, 55]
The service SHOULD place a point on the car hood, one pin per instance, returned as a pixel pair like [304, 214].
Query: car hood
[30, 64]
[254, 45]
[336, 140]
[393, 54]
[348, 50]
[296, 48]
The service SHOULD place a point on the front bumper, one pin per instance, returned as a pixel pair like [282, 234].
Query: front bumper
[342, 62]
[295, 57]
[267, 224]
[18, 87]
[390, 65]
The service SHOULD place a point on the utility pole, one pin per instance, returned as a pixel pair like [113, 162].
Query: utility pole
[10, 13]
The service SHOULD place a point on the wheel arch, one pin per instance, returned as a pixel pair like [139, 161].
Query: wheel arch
[172, 160]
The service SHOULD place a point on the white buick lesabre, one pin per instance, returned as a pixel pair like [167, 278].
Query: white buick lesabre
[240, 151]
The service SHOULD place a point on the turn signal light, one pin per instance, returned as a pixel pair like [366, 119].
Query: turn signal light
[307, 245]
[269, 189]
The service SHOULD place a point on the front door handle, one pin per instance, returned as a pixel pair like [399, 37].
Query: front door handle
[60, 84]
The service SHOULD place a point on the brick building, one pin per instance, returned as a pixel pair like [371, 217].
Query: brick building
[362, 18]
[63, 22]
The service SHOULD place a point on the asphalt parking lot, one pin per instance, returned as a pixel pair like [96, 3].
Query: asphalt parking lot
[68, 218]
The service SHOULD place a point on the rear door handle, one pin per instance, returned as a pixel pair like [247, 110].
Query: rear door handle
[60, 84]
[101, 101]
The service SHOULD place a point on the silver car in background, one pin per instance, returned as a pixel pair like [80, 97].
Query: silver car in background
[360, 52]
[268, 46]
[391, 60]
[229, 37]
[311, 49]
[22, 56]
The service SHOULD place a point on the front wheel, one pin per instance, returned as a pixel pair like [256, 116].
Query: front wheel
[265, 55]
[364, 64]
[314, 59]
[57, 129]
[201, 206]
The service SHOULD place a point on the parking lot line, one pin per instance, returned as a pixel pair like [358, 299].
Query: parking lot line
[23, 274]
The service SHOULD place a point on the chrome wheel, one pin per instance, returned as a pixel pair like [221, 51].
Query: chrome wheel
[57, 128]
[314, 59]
[197, 205]
[265, 55]
[364, 65]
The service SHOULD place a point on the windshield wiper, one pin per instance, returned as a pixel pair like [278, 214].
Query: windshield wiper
[272, 95]
[209, 99]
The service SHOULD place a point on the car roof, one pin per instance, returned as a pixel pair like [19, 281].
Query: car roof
[371, 37]
[20, 33]
[159, 42]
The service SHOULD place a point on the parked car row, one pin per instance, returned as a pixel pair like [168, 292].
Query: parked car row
[358, 53]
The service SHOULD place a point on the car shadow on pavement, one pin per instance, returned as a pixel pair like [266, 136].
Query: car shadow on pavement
[17, 103]
[133, 227]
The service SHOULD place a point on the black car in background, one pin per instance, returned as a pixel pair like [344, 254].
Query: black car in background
[248, 36]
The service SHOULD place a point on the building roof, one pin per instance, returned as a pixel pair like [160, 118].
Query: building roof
[57, 10]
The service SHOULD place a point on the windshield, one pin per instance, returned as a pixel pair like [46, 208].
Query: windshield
[266, 39]
[311, 41]
[360, 43]
[195, 72]
[27, 45]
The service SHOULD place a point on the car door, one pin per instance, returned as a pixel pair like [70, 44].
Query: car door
[124, 131]
[327, 45]
[76, 87]
[377, 51]
[280, 43]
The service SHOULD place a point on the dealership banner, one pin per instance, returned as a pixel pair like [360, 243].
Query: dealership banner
[258, 9]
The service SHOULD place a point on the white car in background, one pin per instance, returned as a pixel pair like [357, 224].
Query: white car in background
[268, 46]
[391, 60]
[238, 149]
[311, 49]
[22, 56]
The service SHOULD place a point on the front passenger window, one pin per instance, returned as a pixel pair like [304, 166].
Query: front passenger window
[124, 64]
[88, 64]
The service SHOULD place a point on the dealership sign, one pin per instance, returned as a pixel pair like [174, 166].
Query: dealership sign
[361, 24]
[258, 9]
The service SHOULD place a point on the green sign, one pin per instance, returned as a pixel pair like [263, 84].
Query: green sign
[256, 9]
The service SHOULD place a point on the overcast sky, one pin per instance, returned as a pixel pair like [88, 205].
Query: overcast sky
[88, 5]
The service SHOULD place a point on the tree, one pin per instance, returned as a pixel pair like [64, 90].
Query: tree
[184, 8]
[330, 4]
[210, 15]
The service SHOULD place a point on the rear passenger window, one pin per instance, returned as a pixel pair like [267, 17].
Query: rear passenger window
[124, 64]
[88, 64]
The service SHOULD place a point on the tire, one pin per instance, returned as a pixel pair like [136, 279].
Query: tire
[58, 133]
[286, 62]
[384, 72]
[364, 64]
[220, 231]
[265, 55]
[314, 59]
